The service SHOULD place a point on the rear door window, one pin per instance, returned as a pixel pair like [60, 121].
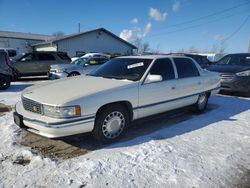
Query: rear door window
[164, 68]
[186, 68]
[64, 56]
[45, 57]
[241, 60]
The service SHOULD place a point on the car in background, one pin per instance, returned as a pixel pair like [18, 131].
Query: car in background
[107, 100]
[12, 52]
[79, 66]
[200, 59]
[6, 72]
[38, 63]
[88, 55]
[234, 72]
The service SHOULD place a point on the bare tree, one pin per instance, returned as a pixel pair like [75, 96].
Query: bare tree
[142, 47]
[219, 47]
[192, 49]
[58, 34]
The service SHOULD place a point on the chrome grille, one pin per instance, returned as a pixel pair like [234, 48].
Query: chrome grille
[226, 77]
[32, 106]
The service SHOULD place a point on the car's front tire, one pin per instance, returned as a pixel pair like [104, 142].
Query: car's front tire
[201, 104]
[111, 123]
[4, 82]
[73, 74]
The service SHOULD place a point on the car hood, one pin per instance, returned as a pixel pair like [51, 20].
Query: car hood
[228, 68]
[63, 66]
[63, 91]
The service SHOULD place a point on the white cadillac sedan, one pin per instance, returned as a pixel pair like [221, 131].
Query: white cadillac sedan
[120, 91]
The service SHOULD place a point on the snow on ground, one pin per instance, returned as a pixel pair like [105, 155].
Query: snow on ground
[208, 150]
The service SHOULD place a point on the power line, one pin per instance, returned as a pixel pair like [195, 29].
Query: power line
[238, 29]
[209, 15]
[195, 26]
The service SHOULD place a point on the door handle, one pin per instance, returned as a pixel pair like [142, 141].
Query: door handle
[199, 82]
[173, 87]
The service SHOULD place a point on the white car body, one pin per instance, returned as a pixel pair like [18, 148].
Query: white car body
[92, 93]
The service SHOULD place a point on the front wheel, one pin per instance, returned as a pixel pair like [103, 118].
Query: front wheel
[4, 82]
[111, 123]
[201, 104]
[73, 74]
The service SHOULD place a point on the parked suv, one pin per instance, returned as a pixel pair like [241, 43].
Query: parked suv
[38, 63]
[234, 72]
[5, 70]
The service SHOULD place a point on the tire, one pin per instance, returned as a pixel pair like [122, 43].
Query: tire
[247, 94]
[73, 74]
[4, 82]
[201, 104]
[111, 123]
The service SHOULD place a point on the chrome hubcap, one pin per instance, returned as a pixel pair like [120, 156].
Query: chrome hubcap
[202, 100]
[113, 125]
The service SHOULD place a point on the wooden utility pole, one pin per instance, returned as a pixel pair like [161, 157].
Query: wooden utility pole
[79, 27]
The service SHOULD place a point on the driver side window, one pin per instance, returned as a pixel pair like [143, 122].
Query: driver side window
[164, 68]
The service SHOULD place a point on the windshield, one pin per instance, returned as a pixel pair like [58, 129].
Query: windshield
[16, 58]
[123, 68]
[235, 60]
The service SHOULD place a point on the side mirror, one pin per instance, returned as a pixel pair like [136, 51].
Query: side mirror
[151, 78]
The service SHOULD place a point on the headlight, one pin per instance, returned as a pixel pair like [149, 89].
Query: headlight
[243, 73]
[61, 112]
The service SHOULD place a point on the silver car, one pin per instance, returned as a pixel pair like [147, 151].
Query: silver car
[77, 67]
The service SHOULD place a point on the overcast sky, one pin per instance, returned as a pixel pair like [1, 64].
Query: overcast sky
[168, 25]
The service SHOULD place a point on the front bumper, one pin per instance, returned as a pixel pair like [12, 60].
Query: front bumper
[54, 76]
[51, 127]
[236, 84]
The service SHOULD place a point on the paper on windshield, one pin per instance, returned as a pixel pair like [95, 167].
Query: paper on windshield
[135, 65]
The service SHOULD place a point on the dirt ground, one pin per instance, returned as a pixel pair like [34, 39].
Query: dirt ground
[4, 108]
[74, 146]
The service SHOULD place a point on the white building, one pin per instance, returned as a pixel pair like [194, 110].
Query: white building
[21, 41]
[98, 40]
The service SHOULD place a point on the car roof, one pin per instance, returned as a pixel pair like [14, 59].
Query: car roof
[153, 56]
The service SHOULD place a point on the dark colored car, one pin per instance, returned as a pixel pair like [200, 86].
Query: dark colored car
[38, 63]
[6, 72]
[200, 59]
[234, 71]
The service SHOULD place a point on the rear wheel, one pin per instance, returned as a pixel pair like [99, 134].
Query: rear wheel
[247, 94]
[4, 82]
[201, 104]
[111, 123]
[73, 74]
